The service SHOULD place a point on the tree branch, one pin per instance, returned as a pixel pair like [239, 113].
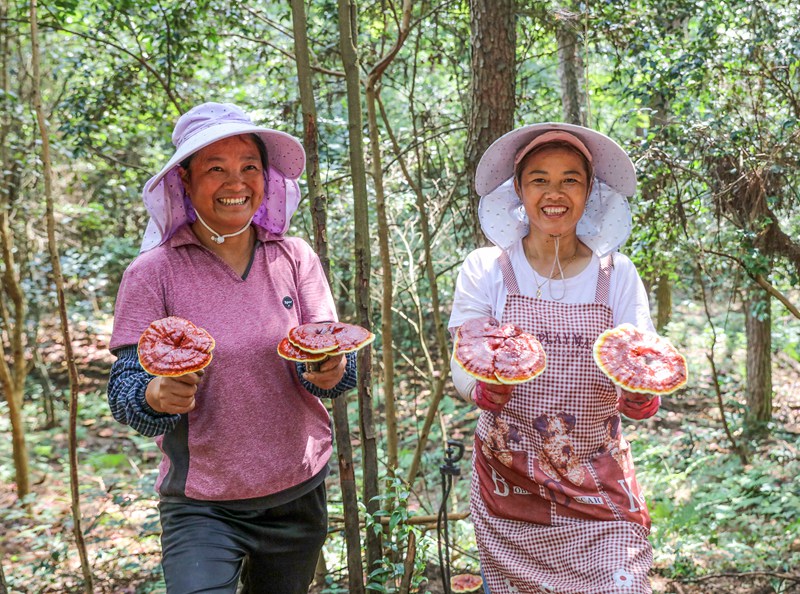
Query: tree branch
[174, 99]
[762, 282]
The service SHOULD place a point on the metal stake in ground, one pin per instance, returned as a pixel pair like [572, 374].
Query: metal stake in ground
[453, 453]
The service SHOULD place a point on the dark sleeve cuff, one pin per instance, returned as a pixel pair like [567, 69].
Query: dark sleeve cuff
[348, 381]
[127, 386]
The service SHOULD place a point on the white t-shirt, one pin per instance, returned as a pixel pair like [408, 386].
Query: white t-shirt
[480, 291]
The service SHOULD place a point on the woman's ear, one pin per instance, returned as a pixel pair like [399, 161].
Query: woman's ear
[184, 173]
[516, 187]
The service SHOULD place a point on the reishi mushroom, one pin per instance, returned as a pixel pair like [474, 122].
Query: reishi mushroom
[498, 353]
[466, 582]
[288, 351]
[173, 346]
[639, 361]
[310, 343]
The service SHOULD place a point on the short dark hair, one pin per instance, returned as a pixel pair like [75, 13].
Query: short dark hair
[262, 152]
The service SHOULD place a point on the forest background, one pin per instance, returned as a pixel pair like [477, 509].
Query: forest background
[395, 102]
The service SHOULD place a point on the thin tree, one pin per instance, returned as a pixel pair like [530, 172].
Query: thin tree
[319, 213]
[493, 40]
[442, 349]
[13, 305]
[570, 67]
[742, 195]
[62, 307]
[347, 31]
[387, 352]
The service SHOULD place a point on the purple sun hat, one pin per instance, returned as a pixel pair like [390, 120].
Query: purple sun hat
[164, 196]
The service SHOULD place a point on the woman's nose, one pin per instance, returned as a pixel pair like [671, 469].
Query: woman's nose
[234, 178]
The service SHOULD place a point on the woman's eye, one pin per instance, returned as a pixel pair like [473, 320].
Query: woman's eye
[251, 168]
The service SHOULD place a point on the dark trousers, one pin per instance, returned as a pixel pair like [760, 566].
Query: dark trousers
[208, 548]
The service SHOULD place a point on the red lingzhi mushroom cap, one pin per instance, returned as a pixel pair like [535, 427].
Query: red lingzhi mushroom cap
[464, 583]
[290, 352]
[642, 362]
[330, 337]
[498, 353]
[173, 346]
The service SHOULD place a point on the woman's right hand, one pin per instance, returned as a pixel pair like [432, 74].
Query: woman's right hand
[492, 397]
[173, 395]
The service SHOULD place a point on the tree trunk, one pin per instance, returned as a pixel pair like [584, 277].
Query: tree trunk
[387, 283]
[494, 39]
[12, 378]
[369, 451]
[570, 69]
[438, 376]
[62, 307]
[319, 213]
[18, 446]
[663, 302]
[758, 327]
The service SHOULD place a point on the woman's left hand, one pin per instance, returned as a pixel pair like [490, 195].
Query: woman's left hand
[637, 406]
[330, 372]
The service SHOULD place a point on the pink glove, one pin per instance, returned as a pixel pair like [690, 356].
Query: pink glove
[491, 397]
[638, 406]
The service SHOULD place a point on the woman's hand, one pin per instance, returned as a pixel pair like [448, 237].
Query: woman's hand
[492, 397]
[173, 395]
[330, 372]
[637, 406]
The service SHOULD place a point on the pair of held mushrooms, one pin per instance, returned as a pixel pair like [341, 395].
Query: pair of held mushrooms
[173, 346]
[636, 361]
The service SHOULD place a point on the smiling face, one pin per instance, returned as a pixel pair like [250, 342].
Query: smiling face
[225, 182]
[553, 183]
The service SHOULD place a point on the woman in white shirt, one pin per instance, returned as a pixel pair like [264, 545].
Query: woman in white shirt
[555, 501]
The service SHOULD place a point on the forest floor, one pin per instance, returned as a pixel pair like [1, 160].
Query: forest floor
[119, 519]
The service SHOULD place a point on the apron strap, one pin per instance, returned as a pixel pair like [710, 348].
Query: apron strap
[509, 278]
[604, 279]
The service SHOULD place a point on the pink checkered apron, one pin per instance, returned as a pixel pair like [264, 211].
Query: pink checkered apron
[555, 502]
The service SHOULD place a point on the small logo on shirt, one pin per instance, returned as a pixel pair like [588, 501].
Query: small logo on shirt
[288, 302]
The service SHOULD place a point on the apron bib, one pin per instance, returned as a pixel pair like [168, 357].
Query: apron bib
[555, 501]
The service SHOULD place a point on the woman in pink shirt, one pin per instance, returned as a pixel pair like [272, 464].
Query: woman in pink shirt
[245, 442]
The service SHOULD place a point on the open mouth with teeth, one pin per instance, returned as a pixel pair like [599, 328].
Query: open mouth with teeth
[233, 201]
[553, 211]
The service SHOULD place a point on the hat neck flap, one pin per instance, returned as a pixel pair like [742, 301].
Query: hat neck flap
[604, 227]
[170, 207]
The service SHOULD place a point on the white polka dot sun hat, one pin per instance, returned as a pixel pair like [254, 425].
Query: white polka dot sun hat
[164, 196]
[606, 221]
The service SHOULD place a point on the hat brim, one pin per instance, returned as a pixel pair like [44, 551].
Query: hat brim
[611, 163]
[285, 152]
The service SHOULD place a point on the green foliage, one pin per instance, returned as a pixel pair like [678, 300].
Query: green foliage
[394, 503]
[710, 513]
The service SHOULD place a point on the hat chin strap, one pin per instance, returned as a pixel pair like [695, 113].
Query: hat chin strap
[218, 238]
